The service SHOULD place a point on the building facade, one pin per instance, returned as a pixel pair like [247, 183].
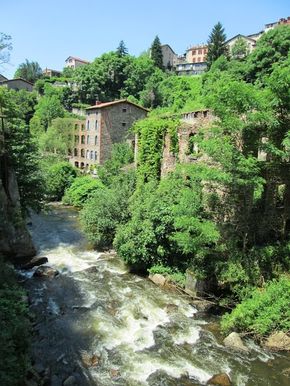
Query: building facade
[17, 84]
[190, 68]
[105, 124]
[49, 73]
[250, 43]
[197, 54]
[73, 62]
[168, 56]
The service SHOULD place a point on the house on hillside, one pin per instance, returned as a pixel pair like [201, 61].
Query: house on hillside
[105, 124]
[168, 56]
[250, 42]
[2, 78]
[193, 62]
[73, 62]
[49, 73]
[17, 84]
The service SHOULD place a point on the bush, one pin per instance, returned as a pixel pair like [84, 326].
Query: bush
[14, 330]
[107, 209]
[59, 177]
[265, 311]
[173, 274]
[80, 190]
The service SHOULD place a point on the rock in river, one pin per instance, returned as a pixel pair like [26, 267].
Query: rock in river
[278, 341]
[46, 272]
[235, 342]
[220, 380]
[35, 262]
[158, 279]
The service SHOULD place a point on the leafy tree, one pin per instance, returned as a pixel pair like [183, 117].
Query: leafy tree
[240, 49]
[58, 178]
[81, 190]
[47, 109]
[156, 53]
[122, 49]
[22, 150]
[30, 71]
[5, 47]
[216, 44]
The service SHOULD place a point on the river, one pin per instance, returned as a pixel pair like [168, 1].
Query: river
[105, 326]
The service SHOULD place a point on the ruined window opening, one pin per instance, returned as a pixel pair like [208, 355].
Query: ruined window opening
[83, 153]
[192, 145]
[75, 152]
[83, 139]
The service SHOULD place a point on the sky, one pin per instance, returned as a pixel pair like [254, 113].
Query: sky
[50, 31]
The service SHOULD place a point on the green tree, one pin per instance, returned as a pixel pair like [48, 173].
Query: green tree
[216, 44]
[30, 71]
[59, 177]
[5, 47]
[156, 53]
[240, 49]
[122, 49]
[47, 109]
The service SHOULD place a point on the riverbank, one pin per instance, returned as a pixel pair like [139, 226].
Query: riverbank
[100, 325]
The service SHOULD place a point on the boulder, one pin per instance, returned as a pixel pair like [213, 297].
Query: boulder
[158, 279]
[220, 380]
[235, 342]
[278, 341]
[199, 287]
[70, 381]
[286, 372]
[45, 272]
[35, 262]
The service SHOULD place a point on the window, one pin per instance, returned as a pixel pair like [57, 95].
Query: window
[193, 52]
[193, 59]
[88, 154]
[123, 124]
[199, 59]
[199, 52]
[88, 125]
[77, 139]
[124, 109]
[96, 140]
[96, 156]
[96, 125]
[92, 155]
[83, 127]
[76, 164]
[75, 152]
[83, 153]
[76, 126]
[83, 139]
[88, 140]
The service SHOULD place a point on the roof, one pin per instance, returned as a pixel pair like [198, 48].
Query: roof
[106, 104]
[197, 46]
[12, 80]
[164, 45]
[3, 78]
[240, 36]
[78, 59]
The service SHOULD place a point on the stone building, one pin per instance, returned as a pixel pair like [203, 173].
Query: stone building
[168, 56]
[105, 124]
[197, 54]
[73, 62]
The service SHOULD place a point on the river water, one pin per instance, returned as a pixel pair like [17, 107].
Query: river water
[104, 326]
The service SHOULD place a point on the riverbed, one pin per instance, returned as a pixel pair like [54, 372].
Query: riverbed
[103, 326]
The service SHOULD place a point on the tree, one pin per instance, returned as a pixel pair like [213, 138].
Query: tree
[47, 109]
[5, 47]
[156, 53]
[240, 49]
[30, 71]
[216, 44]
[122, 49]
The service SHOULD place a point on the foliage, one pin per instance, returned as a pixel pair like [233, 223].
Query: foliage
[122, 49]
[80, 190]
[30, 71]
[59, 177]
[156, 53]
[5, 48]
[266, 310]
[151, 133]
[240, 49]
[107, 209]
[47, 109]
[216, 44]
[121, 155]
[14, 330]
[23, 154]
[58, 138]
[173, 274]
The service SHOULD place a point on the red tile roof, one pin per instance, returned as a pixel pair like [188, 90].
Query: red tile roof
[106, 104]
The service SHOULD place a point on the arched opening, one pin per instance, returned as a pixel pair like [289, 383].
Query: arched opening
[96, 140]
[83, 153]
[82, 165]
[92, 155]
[83, 139]
[96, 156]
[192, 145]
[88, 154]
[88, 140]
[77, 139]
[76, 164]
[75, 152]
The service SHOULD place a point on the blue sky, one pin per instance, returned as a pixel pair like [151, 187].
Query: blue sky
[50, 31]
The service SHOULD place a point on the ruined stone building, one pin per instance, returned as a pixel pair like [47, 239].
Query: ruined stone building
[105, 124]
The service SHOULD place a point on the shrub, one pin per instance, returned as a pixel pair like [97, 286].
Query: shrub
[59, 177]
[80, 190]
[14, 330]
[266, 310]
[173, 274]
[107, 209]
